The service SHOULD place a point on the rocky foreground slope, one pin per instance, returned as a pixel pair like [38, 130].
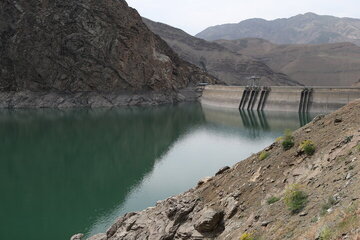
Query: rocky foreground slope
[65, 53]
[249, 199]
[231, 67]
[308, 28]
[331, 64]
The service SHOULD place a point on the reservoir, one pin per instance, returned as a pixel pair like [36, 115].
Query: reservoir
[68, 171]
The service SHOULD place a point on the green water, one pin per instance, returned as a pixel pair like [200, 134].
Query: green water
[70, 171]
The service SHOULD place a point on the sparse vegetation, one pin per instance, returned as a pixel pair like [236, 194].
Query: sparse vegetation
[295, 199]
[287, 140]
[330, 202]
[348, 139]
[325, 234]
[272, 200]
[358, 147]
[247, 236]
[314, 219]
[308, 147]
[263, 155]
[279, 139]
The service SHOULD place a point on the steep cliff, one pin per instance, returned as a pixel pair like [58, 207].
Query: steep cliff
[85, 46]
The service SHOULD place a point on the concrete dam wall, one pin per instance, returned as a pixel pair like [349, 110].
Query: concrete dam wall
[302, 99]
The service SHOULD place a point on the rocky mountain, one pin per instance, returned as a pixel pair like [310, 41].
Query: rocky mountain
[230, 67]
[306, 28]
[298, 193]
[86, 46]
[332, 64]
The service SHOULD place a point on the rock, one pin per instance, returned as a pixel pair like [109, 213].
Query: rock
[303, 214]
[318, 118]
[75, 61]
[209, 220]
[307, 130]
[204, 180]
[100, 236]
[231, 207]
[77, 236]
[180, 97]
[337, 120]
[348, 176]
[265, 223]
[222, 170]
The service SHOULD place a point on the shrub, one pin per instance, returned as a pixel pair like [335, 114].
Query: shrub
[330, 202]
[279, 139]
[288, 140]
[263, 155]
[295, 199]
[308, 147]
[358, 147]
[325, 234]
[247, 236]
[272, 200]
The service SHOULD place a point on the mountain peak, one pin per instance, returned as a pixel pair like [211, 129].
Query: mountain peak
[307, 28]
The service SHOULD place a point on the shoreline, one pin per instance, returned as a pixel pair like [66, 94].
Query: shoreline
[62, 100]
[234, 201]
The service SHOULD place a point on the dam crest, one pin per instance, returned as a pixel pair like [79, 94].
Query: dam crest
[279, 98]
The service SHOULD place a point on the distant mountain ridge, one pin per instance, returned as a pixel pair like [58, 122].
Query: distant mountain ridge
[231, 67]
[331, 64]
[308, 28]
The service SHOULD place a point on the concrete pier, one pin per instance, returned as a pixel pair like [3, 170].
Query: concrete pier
[302, 99]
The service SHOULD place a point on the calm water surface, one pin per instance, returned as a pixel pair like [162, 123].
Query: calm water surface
[64, 172]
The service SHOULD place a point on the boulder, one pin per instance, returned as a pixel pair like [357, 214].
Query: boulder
[222, 170]
[208, 220]
[77, 236]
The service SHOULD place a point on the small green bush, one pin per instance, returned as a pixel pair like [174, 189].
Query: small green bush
[308, 147]
[247, 236]
[263, 155]
[295, 199]
[325, 234]
[358, 147]
[288, 140]
[330, 202]
[272, 200]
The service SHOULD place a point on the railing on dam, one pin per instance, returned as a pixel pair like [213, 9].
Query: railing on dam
[301, 99]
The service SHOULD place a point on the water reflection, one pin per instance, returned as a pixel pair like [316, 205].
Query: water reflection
[63, 172]
[257, 122]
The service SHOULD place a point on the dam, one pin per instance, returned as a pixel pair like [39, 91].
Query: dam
[279, 98]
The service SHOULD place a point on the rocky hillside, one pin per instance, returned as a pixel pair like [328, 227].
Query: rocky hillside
[310, 191]
[306, 28]
[334, 64]
[230, 67]
[65, 47]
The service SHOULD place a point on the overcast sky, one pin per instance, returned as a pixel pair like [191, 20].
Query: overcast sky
[194, 16]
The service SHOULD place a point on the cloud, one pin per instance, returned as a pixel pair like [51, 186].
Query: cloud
[194, 16]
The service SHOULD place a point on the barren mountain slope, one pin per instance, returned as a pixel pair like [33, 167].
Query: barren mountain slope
[306, 28]
[333, 64]
[232, 68]
[85, 45]
[286, 195]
